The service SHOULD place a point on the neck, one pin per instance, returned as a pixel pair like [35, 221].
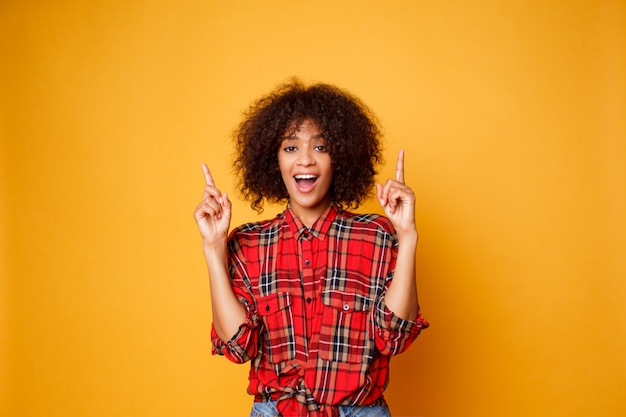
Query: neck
[309, 216]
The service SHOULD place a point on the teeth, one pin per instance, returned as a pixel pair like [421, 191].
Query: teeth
[305, 177]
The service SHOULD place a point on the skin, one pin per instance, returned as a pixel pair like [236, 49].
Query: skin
[304, 152]
[398, 202]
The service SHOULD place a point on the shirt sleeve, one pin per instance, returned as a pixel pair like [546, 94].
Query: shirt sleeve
[244, 344]
[393, 334]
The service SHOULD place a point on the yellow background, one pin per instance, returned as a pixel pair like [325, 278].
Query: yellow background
[512, 114]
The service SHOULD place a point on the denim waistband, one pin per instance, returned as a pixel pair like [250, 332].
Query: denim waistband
[376, 409]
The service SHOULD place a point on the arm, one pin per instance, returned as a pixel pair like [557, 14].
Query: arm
[213, 216]
[398, 202]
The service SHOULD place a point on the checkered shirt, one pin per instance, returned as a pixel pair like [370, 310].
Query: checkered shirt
[317, 331]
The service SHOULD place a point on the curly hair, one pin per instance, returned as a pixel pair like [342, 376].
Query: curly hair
[351, 131]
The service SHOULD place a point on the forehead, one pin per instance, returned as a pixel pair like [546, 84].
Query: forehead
[306, 127]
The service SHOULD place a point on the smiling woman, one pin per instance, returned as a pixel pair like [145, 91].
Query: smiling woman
[511, 114]
[306, 170]
[348, 126]
[318, 299]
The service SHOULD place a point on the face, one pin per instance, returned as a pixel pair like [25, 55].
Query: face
[306, 169]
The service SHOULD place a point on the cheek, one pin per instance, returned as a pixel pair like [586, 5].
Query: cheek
[281, 165]
[284, 177]
[329, 165]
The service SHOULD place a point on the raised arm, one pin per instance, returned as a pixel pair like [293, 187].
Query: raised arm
[398, 202]
[213, 216]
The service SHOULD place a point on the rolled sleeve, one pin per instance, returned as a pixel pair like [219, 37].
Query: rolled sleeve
[393, 334]
[243, 345]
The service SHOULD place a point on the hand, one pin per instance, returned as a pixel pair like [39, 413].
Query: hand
[214, 212]
[398, 200]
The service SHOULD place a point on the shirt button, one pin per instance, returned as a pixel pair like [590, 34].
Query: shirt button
[307, 262]
[267, 308]
[346, 306]
[308, 300]
[306, 235]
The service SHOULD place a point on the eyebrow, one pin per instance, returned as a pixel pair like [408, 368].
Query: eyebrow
[293, 137]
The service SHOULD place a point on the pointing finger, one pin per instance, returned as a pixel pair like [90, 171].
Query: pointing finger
[400, 167]
[207, 175]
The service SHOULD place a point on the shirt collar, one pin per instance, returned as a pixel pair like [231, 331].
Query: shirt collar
[319, 229]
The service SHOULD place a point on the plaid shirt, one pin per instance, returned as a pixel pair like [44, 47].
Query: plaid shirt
[317, 329]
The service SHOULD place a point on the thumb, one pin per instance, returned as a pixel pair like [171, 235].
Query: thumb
[226, 203]
[379, 195]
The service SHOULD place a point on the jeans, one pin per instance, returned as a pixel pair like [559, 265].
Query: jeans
[268, 409]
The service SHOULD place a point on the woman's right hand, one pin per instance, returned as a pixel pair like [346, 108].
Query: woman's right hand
[213, 217]
[213, 213]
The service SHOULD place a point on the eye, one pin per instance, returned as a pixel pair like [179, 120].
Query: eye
[289, 148]
[321, 148]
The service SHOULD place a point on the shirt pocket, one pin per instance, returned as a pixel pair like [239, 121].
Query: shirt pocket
[345, 335]
[276, 312]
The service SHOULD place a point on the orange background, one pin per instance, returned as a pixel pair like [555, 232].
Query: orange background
[513, 118]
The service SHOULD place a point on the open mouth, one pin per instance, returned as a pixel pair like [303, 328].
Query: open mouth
[305, 180]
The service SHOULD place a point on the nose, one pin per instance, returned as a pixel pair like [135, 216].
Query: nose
[306, 157]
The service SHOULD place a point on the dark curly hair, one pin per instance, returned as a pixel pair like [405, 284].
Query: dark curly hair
[351, 131]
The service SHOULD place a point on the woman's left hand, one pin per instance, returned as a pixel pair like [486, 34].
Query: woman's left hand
[398, 200]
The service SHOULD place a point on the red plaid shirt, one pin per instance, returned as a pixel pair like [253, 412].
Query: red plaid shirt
[317, 330]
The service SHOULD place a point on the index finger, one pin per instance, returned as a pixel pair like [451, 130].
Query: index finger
[207, 175]
[400, 167]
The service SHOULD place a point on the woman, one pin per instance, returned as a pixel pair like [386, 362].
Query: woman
[318, 298]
